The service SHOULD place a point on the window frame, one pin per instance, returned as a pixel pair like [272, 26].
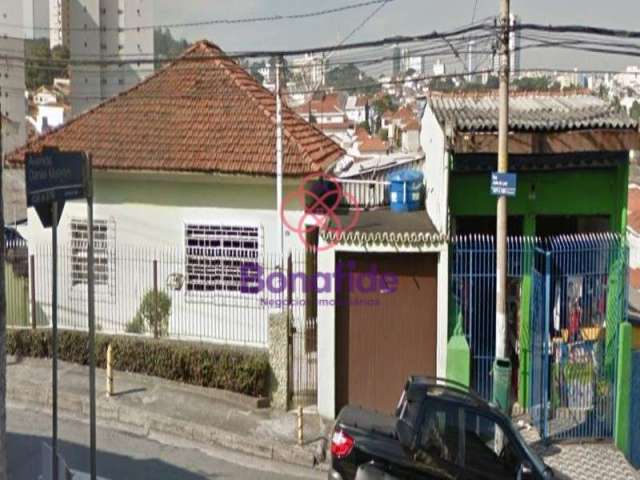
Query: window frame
[460, 462]
[78, 255]
[213, 292]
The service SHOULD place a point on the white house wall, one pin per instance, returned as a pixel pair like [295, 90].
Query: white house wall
[436, 170]
[149, 213]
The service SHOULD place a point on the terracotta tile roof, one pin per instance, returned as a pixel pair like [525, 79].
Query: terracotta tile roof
[404, 114]
[323, 103]
[372, 144]
[361, 134]
[633, 209]
[344, 125]
[201, 113]
[412, 124]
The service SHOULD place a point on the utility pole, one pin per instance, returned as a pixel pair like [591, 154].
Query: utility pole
[501, 223]
[3, 322]
[279, 161]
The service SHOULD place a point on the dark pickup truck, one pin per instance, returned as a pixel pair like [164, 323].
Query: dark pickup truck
[441, 430]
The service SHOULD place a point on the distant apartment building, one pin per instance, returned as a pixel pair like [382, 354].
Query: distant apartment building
[411, 61]
[439, 68]
[12, 77]
[59, 23]
[36, 19]
[105, 32]
[309, 70]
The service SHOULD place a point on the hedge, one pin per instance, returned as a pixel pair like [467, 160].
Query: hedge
[242, 370]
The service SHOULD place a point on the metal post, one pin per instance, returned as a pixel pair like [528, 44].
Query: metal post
[156, 329]
[109, 371]
[54, 340]
[300, 425]
[546, 350]
[279, 161]
[92, 326]
[503, 161]
[32, 279]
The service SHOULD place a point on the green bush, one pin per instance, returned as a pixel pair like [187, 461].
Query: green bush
[136, 325]
[242, 370]
[152, 315]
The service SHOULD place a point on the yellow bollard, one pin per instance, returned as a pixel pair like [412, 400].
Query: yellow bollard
[109, 371]
[300, 426]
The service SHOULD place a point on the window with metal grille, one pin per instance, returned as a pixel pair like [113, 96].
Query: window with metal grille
[216, 254]
[103, 234]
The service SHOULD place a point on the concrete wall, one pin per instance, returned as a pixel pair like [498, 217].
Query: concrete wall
[12, 75]
[436, 170]
[147, 214]
[110, 33]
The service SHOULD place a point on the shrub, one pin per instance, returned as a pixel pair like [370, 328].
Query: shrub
[152, 315]
[242, 370]
[136, 325]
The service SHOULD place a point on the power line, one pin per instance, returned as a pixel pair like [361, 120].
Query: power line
[219, 21]
[591, 30]
[269, 53]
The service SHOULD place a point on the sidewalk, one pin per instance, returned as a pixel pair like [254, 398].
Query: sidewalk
[153, 407]
[582, 461]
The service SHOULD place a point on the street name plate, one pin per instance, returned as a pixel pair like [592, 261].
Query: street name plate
[54, 176]
[503, 184]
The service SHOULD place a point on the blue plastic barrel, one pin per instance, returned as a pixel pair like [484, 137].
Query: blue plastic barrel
[406, 190]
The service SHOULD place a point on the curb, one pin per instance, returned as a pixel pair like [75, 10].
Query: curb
[149, 425]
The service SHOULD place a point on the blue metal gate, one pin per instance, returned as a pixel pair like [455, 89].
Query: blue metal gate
[473, 295]
[578, 299]
[539, 345]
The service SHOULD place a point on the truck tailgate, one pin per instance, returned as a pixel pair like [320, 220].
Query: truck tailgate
[367, 420]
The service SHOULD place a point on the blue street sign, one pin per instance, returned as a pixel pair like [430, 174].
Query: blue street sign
[55, 176]
[503, 184]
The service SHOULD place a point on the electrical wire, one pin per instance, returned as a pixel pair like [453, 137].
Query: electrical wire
[219, 21]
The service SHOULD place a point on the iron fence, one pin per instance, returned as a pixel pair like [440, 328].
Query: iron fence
[569, 292]
[581, 282]
[131, 275]
[473, 295]
[16, 279]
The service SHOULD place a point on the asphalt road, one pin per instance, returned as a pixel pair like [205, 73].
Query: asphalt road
[123, 456]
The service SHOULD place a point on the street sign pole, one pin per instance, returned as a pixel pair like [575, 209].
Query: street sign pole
[54, 340]
[92, 324]
[52, 177]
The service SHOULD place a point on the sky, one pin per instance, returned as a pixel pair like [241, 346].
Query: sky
[400, 17]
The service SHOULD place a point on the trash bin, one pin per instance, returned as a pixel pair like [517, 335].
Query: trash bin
[406, 190]
[502, 383]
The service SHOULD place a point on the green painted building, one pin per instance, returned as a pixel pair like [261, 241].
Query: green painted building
[571, 157]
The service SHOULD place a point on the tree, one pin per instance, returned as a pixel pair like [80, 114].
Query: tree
[166, 46]
[384, 104]
[442, 84]
[254, 70]
[350, 78]
[43, 64]
[529, 84]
